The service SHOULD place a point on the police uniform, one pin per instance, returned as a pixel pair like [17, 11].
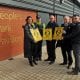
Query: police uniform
[40, 26]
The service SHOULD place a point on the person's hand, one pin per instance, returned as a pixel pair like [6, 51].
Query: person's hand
[35, 41]
[64, 32]
[62, 38]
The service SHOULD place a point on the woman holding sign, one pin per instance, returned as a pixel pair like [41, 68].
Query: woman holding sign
[29, 44]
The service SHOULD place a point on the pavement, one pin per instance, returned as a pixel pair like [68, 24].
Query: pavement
[19, 69]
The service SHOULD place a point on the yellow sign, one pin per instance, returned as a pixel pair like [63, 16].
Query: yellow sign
[58, 33]
[36, 35]
[47, 34]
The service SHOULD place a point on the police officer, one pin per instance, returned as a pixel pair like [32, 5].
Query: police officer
[40, 26]
[66, 46]
[29, 44]
[75, 38]
[51, 43]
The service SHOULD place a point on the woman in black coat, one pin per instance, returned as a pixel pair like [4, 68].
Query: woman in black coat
[29, 44]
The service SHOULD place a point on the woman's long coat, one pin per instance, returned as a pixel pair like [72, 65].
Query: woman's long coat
[28, 41]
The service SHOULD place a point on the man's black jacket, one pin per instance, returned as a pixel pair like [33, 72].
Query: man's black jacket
[52, 26]
[75, 34]
[66, 42]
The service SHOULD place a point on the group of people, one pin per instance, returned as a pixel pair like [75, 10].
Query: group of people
[70, 41]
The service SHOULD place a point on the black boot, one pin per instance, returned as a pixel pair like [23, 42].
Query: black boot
[69, 65]
[31, 63]
[35, 62]
[73, 73]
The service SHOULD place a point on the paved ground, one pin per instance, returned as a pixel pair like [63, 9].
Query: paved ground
[18, 69]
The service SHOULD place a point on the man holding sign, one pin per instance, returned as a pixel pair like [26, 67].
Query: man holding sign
[51, 43]
[66, 45]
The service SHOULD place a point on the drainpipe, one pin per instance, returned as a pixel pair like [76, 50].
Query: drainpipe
[73, 6]
[54, 1]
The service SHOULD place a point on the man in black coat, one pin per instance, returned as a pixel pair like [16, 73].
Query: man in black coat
[51, 43]
[75, 38]
[66, 46]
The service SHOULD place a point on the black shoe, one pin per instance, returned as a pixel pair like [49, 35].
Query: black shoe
[73, 73]
[31, 64]
[35, 63]
[63, 64]
[74, 69]
[47, 60]
[11, 59]
[51, 62]
[69, 66]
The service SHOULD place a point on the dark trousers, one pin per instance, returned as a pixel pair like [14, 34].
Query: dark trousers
[39, 50]
[51, 50]
[76, 51]
[33, 52]
[66, 53]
